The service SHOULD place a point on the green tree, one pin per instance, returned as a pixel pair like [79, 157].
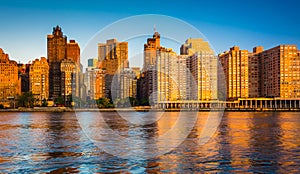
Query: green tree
[103, 103]
[133, 101]
[26, 100]
[59, 100]
[144, 102]
[44, 103]
[1, 106]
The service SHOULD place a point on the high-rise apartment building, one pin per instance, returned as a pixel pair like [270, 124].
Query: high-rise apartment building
[9, 80]
[39, 79]
[113, 55]
[234, 64]
[165, 77]
[92, 77]
[113, 58]
[98, 87]
[146, 83]
[73, 51]
[126, 85]
[150, 50]
[202, 66]
[95, 83]
[264, 73]
[60, 51]
[280, 72]
[203, 76]
[254, 71]
[69, 80]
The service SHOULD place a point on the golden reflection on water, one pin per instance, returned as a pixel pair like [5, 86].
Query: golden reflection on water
[244, 142]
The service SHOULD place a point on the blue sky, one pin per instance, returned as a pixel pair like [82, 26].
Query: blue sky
[25, 24]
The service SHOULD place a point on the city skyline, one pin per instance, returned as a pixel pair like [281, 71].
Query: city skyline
[193, 78]
[22, 38]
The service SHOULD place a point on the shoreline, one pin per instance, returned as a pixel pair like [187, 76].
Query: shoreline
[64, 109]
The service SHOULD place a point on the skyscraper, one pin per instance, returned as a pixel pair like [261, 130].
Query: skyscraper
[150, 50]
[280, 72]
[203, 76]
[127, 84]
[59, 51]
[39, 79]
[148, 71]
[113, 55]
[56, 51]
[113, 58]
[234, 64]
[202, 66]
[169, 77]
[254, 72]
[69, 80]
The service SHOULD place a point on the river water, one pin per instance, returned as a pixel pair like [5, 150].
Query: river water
[267, 142]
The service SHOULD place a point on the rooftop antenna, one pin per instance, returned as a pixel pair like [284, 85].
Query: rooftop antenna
[154, 28]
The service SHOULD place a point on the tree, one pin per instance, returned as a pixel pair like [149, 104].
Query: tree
[144, 102]
[1, 106]
[59, 100]
[26, 100]
[133, 101]
[44, 103]
[103, 103]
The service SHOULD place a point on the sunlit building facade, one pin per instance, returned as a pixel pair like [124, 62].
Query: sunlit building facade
[56, 52]
[234, 64]
[194, 45]
[99, 84]
[39, 79]
[73, 51]
[61, 56]
[113, 58]
[95, 83]
[202, 69]
[113, 55]
[9, 80]
[153, 44]
[254, 72]
[165, 78]
[280, 72]
[69, 80]
[202, 80]
[128, 84]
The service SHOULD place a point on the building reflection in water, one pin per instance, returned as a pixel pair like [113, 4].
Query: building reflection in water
[235, 138]
[289, 157]
[265, 145]
[54, 142]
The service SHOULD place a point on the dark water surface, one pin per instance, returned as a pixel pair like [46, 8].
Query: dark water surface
[244, 142]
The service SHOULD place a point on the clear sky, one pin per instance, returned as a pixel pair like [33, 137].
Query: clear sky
[248, 23]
